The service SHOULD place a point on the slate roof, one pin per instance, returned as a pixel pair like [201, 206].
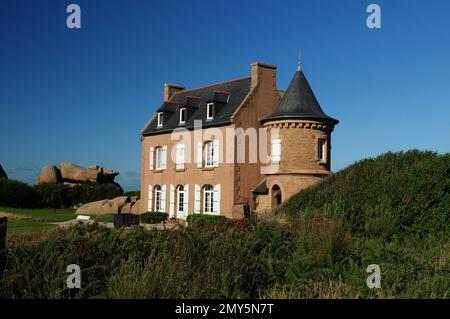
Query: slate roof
[227, 96]
[261, 189]
[299, 102]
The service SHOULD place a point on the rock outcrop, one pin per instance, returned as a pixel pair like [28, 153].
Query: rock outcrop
[2, 173]
[71, 174]
[49, 174]
[121, 204]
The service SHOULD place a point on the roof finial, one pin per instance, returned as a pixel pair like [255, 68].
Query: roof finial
[299, 65]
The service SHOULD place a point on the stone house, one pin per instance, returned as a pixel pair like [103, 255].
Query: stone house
[191, 163]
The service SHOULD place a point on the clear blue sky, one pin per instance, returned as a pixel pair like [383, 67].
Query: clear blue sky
[84, 95]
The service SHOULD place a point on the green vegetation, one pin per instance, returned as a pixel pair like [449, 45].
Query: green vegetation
[17, 194]
[133, 193]
[27, 226]
[63, 196]
[391, 211]
[201, 218]
[50, 215]
[153, 217]
[393, 195]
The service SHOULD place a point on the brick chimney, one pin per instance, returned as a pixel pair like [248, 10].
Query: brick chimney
[263, 72]
[171, 89]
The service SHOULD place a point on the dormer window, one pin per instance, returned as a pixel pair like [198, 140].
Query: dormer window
[183, 116]
[160, 119]
[209, 111]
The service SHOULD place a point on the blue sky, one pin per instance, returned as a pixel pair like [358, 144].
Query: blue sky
[84, 95]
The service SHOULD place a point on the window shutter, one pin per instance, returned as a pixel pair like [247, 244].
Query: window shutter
[163, 198]
[199, 154]
[216, 148]
[150, 199]
[171, 201]
[197, 199]
[276, 150]
[152, 150]
[216, 200]
[164, 157]
[186, 200]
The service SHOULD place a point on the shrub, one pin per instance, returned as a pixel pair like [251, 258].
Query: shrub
[201, 218]
[153, 217]
[395, 193]
[18, 194]
[133, 193]
[63, 196]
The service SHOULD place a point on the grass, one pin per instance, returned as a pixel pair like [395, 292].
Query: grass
[27, 226]
[392, 211]
[48, 215]
[34, 221]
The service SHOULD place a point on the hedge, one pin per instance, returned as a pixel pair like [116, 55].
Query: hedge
[17, 194]
[195, 218]
[153, 217]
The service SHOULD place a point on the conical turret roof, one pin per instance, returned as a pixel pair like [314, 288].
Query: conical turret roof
[299, 102]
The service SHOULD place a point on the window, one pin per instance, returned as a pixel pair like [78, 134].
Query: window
[321, 150]
[159, 158]
[182, 116]
[209, 111]
[208, 199]
[180, 199]
[158, 197]
[209, 149]
[160, 119]
[276, 150]
[179, 156]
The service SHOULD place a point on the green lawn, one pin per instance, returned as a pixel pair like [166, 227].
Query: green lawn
[27, 226]
[38, 220]
[43, 214]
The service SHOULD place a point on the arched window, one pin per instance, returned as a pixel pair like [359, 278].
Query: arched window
[208, 199]
[276, 195]
[180, 198]
[158, 197]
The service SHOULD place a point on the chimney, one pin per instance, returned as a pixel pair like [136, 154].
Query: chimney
[263, 72]
[171, 89]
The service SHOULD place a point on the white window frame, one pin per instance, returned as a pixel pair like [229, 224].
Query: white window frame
[183, 112]
[158, 198]
[209, 111]
[181, 194]
[159, 151]
[276, 150]
[321, 149]
[180, 156]
[209, 154]
[160, 119]
[208, 199]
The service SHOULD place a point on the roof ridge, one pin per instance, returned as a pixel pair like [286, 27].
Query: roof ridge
[210, 85]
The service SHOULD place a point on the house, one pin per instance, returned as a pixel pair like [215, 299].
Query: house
[229, 147]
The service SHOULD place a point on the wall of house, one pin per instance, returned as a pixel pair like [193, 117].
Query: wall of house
[299, 166]
[191, 175]
[261, 102]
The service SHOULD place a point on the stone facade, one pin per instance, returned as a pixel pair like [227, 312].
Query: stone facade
[232, 183]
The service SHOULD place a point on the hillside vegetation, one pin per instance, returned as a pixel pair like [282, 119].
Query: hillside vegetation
[392, 195]
[391, 211]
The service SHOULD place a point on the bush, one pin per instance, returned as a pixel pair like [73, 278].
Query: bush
[394, 193]
[153, 217]
[17, 194]
[133, 193]
[64, 196]
[202, 218]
